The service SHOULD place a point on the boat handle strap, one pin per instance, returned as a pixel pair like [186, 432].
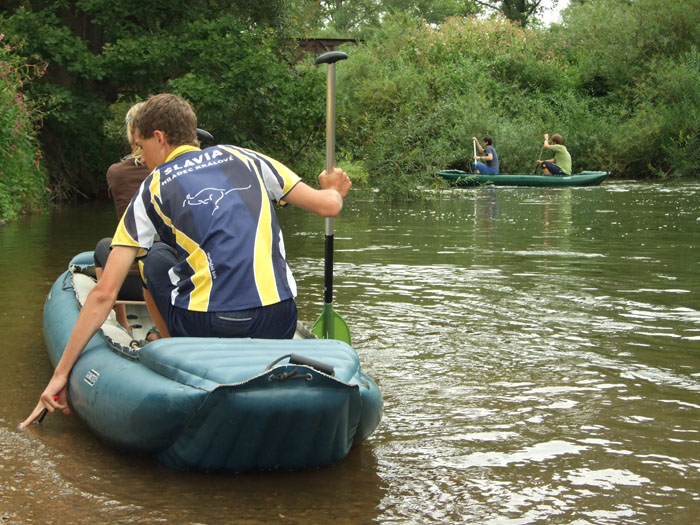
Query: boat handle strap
[296, 359]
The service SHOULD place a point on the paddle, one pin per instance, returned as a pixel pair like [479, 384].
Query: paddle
[538, 158]
[474, 143]
[204, 136]
[330, 325]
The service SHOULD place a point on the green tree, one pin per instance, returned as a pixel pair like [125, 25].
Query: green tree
[100, 52]
[521, 11]
[359, 18]
[645, 68]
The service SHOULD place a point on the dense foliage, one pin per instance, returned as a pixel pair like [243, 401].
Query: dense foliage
[362, 18]
[640, 61]
[421, 93]
[22, 177]
[232, 60]
[620, 82]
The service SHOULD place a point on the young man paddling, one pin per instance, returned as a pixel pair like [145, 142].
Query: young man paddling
[221, 269]
[489, 155]
[561, 163]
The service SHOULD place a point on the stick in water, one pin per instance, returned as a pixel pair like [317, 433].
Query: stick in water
[45, 411]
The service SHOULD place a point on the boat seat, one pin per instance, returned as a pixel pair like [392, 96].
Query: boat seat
[210, 362]
[82, 284]
[117, 337]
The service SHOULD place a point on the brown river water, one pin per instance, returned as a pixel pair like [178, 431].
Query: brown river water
[538, 351]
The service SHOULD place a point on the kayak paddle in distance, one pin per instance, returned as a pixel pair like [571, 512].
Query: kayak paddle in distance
[537, 164]
[330, 325]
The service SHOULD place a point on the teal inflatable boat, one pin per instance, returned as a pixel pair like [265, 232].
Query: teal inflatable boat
[208, 403]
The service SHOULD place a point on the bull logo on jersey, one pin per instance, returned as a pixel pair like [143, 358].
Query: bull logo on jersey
[209, 195]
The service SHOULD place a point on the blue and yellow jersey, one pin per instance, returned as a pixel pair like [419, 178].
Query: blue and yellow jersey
[214, 207]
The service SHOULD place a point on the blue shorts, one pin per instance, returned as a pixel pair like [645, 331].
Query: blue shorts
[275, 321]
[483, 168]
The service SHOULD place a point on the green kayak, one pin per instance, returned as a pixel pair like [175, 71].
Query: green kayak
[463, 178]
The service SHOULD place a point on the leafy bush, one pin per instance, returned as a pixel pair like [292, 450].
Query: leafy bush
[621, 88]
[617, 80]
[644, 71]
[663, 135]
[416, 96]
[22, 177]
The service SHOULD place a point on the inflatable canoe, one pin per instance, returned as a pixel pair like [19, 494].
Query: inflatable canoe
[211, 404]
[585, 178]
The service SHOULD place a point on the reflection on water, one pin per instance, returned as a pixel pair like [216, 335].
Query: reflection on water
[98, 485]
[538, 352]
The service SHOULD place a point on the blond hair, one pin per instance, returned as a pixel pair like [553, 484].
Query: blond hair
[136, 151]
